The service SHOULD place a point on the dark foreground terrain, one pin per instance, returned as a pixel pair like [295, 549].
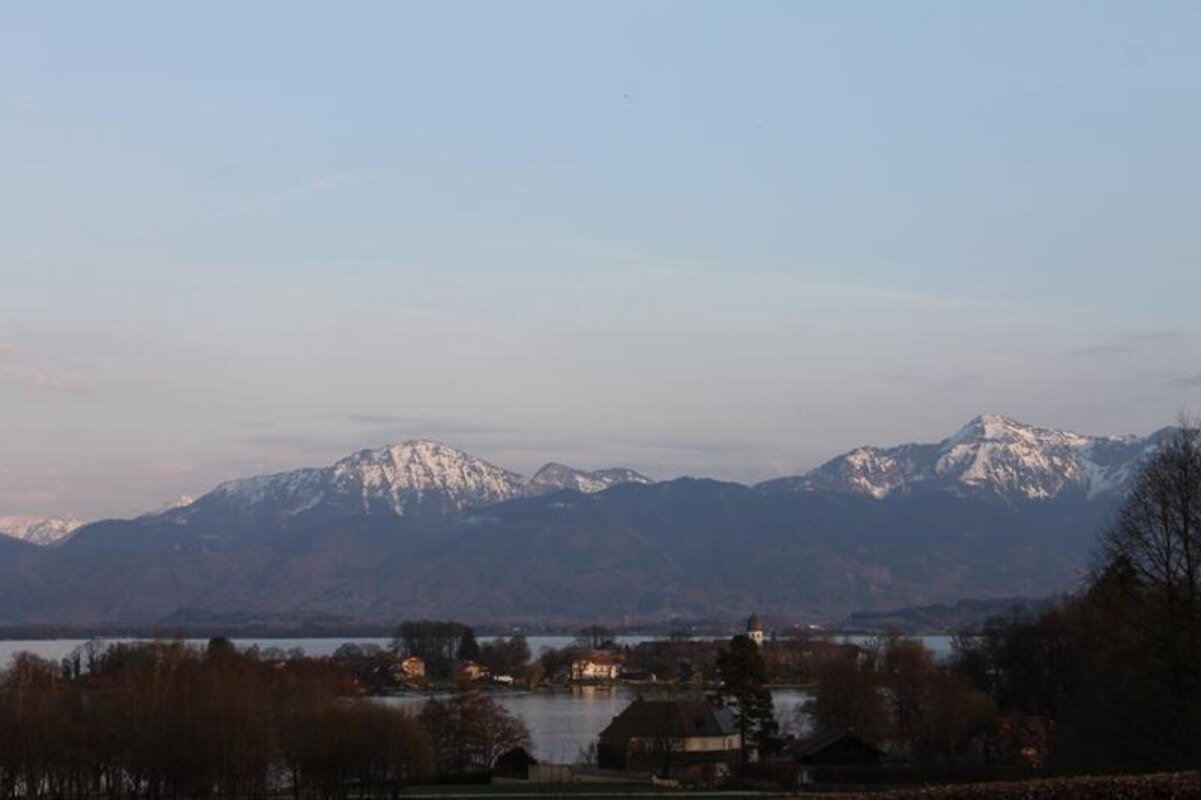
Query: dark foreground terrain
[1161, 786]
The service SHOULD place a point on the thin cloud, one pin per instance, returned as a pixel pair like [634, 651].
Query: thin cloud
[375, 419]
[159, 468]
[704, 447]
[1192, 381]
[1128, 343]
[1101, 350]
[10, 351]
[284, 441]
[45, 382]
[950, 383]
[963, 380]
[429, 425]
[312, 188]
[1149, 337]
[23, 492]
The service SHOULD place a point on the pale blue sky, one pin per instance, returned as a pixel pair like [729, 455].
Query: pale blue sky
[729, 239]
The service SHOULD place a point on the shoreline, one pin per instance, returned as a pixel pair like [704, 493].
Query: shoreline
[348, 633]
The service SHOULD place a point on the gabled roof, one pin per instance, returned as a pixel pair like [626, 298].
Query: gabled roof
[600, 657]
[818, 742]
[670, 718]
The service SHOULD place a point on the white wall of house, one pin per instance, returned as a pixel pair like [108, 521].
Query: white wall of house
[688, 744]
[590, 670]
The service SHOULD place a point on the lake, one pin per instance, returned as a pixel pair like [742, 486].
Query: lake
[564, 721]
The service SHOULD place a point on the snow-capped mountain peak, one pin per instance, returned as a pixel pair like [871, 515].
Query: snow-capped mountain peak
[38, 530]
[991, 453]
[396, 479]
[408, 472]
[554, 477]
[998, 453]
[416, 476]
[183, 501]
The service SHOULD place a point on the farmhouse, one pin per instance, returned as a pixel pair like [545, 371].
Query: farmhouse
[668, 735]
[469, 672]
[412, 668]
[597, 666]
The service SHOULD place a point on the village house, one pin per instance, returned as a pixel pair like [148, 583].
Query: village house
[469, 672]
[670, 737]
[412, 668]
[597, 666]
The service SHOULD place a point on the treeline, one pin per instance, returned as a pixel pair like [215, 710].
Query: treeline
[893, 692]
[440, 644]
[1099, 670]
[1117, 669]
[164, 720]
[444, 645]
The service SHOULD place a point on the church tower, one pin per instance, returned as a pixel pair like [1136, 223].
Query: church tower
[754, 629]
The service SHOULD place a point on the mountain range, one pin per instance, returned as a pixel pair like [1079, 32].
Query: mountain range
[999, 508]
[991, 454]
[415, 478]
[39, 530]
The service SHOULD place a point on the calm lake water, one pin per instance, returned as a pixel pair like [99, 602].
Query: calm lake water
[564, 721]
[561, 722]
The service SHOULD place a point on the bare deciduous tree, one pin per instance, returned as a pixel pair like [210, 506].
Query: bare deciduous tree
[1153, 550]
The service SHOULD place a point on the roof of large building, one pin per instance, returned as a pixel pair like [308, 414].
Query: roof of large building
[600, 657]
[818, 742]
[672, 718]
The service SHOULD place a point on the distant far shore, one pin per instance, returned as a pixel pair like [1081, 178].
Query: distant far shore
[358, 631]
[940, 619]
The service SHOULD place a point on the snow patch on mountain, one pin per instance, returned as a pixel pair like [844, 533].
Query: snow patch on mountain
[183, 501]
[38, 530]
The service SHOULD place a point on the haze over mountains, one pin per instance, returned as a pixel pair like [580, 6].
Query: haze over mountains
[997, 509]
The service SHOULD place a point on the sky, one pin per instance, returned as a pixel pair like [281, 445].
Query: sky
[720, 239]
